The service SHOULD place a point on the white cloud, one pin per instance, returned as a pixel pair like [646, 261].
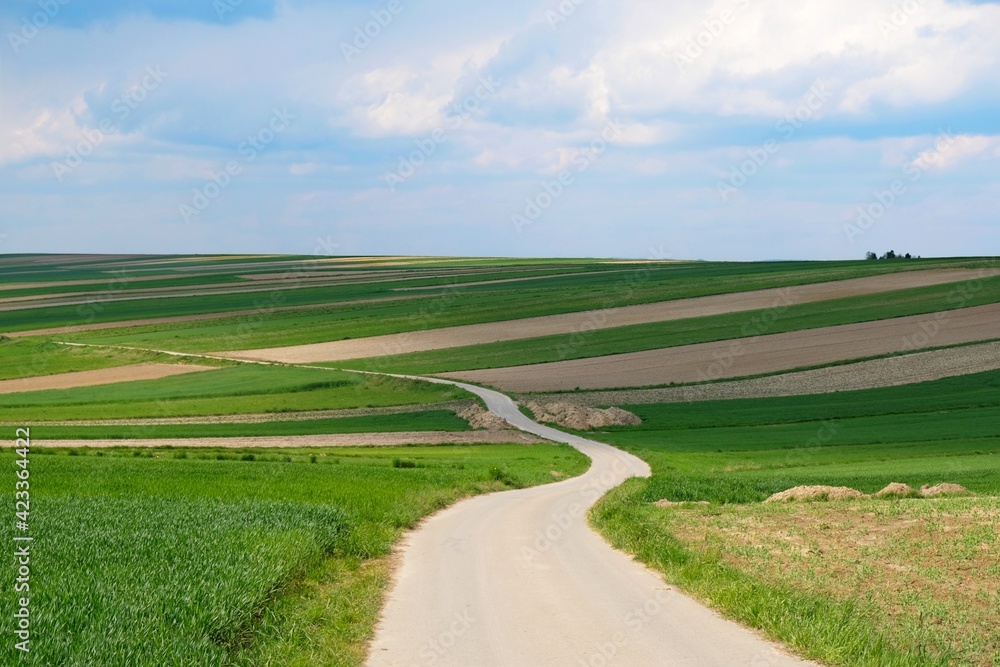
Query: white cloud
[949, 152]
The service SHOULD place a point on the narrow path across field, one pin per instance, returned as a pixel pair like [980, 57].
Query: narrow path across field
[549, 325]
[518, 578]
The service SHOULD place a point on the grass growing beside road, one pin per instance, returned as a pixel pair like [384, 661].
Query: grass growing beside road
[807, 603]
[824, 577]
[940, 558]
[198, 561]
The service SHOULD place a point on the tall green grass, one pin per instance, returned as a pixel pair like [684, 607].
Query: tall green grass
[195, 561]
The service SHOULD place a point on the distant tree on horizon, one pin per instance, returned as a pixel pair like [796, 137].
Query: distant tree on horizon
[870, 256]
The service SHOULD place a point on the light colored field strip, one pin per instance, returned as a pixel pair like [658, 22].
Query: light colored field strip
[130, 373]
[748, 356]
[872, 374]
[397, 439]
[477, 334]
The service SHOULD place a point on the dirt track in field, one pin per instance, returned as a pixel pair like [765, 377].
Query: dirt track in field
[748, 356]
[872, 374]
[98, 377]
[335, 440]
[476, 334]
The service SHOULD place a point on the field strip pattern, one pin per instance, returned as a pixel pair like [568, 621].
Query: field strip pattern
[548, 325]
[261, 418]
[872, 374]
[177, 319]
[397, 439]
[519, 578]
[747, 356]
[147, 371]
[256, 283]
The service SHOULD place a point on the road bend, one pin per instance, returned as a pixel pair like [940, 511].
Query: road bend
[518, 579]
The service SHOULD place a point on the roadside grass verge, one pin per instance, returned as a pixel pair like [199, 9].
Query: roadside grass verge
[428, 420]
[658, 335]
[452, 304]
[930, 568]
[150, 558]
[842, 632]
[849, 583]
[233, 390]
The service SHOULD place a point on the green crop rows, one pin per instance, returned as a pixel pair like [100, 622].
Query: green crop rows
[182, 561]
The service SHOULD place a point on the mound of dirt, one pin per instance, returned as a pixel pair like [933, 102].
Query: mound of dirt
[582, 418]
[816, 493]
[897, 489]
[928, 491]
[480, 418]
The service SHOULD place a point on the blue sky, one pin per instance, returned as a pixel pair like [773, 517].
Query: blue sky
[740, 129]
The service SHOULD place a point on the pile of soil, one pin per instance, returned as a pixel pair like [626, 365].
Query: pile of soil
[582, 418]
[928, 491]
[897, 489]
[480, 418]
[816, 493]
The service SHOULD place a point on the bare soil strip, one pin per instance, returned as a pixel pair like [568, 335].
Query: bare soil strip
[334, 440]
[476, 334]
[889, 372]
[748, 356]
[104, 376]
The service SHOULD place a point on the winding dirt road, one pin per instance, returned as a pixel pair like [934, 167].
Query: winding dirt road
[518, 578]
